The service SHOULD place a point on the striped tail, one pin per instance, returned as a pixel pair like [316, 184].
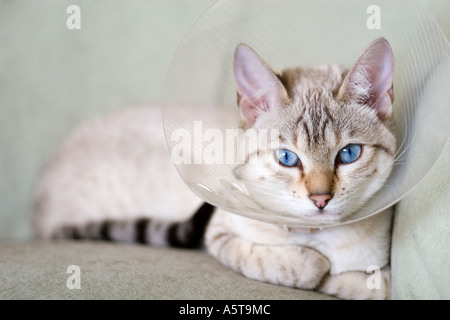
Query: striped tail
[185, 234]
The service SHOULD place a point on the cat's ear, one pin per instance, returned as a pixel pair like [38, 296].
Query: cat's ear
[370, 80]
[259, 89]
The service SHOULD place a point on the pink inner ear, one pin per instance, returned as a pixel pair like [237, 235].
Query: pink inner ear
[383, 105]
[249, 111]
[375, 69]
[382, 70]
[259, 89]
[252, 108]
[382, 92]
[382, 75]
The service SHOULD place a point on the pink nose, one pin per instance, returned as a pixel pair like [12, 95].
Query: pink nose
[320, 200]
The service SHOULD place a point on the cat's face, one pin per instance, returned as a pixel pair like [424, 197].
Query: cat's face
[335, 147]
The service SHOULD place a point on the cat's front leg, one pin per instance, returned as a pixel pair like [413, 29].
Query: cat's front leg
[358, 285]
[288, 265]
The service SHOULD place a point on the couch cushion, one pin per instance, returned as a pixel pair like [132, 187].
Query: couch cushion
[420, 256]
[38, 270]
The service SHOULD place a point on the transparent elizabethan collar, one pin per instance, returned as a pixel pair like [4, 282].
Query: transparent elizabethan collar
[201, 116]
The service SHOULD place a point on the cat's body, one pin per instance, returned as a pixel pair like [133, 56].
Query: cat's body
[112, 168]
[336, 149]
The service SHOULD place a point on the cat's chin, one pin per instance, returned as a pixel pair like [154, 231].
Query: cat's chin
[328, 216]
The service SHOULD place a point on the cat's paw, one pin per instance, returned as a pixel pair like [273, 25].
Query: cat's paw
[291, 266]
[316, 267]
[357, 285]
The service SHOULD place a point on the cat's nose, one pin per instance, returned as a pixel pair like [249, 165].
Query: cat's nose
[320, 200]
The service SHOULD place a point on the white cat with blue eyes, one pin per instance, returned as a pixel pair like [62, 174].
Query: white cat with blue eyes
[111, 180]
[336, 149]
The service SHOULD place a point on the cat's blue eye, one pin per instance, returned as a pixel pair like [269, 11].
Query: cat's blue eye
[286, 157]
[349, 153]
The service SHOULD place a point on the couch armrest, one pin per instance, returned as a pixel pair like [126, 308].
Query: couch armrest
[420, 256]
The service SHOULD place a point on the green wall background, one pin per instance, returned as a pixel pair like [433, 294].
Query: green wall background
[52, 78]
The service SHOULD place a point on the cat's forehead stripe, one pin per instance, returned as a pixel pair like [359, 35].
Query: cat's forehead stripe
[316, 126]
[307, 135]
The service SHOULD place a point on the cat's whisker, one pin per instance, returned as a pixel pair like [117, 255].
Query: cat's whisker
[406, 129]
[400, 162]
[400, 152]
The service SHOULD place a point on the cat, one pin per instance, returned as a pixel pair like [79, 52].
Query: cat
[112, 178]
